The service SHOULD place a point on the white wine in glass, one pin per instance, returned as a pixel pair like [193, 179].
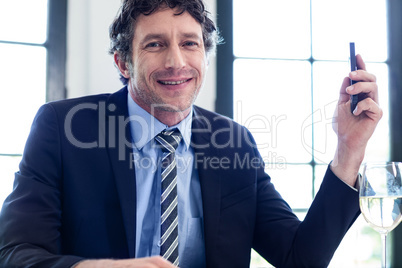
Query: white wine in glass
[380, 198]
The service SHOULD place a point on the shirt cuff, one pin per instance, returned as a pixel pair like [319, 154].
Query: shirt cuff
[356, 187]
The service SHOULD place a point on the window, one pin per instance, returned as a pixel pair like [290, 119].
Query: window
[32, 52]
[288, 59]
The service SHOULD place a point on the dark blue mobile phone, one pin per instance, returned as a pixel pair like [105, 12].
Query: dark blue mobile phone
[353, 67]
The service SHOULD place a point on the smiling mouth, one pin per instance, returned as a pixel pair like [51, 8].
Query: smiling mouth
[173, 82]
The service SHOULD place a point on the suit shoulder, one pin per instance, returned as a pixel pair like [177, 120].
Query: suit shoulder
[91, 101]
[79, 100]
[216, 120]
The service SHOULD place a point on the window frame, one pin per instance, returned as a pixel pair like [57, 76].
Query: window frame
[224, 60]
[394, 12]
[224, 98]
[56, 48]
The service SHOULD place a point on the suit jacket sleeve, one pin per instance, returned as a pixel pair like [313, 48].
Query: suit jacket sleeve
[285, 241]
[242, 208]
[30, 219]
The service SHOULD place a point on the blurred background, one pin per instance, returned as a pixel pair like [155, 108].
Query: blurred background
[278, 73]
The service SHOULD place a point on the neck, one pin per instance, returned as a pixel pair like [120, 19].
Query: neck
[170, 118]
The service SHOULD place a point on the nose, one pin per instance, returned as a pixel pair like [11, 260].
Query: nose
[174, 58]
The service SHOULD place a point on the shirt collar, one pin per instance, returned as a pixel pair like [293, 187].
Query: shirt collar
[144, 127]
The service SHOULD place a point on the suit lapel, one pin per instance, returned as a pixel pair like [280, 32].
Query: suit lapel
[118, 137]
[210, 183]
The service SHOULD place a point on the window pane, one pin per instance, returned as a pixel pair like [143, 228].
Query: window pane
[328, 77]
[294, 183]
[378, 148]
[336, 23]
[23, 21]
[257, 261]
[270, 28]
[23, 90]
[361, 245]
[272, 99]
[8, 166]
[327, 80]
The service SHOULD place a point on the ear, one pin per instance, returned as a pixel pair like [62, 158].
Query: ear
[124, 71]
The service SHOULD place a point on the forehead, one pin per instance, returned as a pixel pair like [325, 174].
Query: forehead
[164, 21]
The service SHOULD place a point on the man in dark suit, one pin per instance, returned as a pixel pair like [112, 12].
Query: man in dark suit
[88, 193]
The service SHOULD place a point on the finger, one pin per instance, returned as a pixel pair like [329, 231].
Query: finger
[160, 262]
[344, 96]
[362, 75]
[368, 88]
[370, 108]
[147, 262]
[360, 63]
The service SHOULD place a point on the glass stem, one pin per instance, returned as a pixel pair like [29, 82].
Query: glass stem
[384, 250]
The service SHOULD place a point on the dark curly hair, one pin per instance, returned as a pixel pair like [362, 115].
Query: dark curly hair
[121, 31]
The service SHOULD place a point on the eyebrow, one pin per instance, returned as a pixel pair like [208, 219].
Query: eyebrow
[153, 36]
[149, 37]
[191, 35]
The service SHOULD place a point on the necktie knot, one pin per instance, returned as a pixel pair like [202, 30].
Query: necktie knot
[169, 140]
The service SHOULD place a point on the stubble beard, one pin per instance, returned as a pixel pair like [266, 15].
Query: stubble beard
[149, 98]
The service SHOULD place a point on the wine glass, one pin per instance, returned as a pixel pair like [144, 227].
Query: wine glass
[380, 198]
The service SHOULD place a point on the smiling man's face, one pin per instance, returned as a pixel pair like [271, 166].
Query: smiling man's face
[168, 62]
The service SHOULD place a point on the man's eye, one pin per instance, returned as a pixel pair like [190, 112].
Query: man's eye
[190, 43]
[154, 44]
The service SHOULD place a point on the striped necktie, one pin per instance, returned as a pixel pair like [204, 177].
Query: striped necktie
[169, 140]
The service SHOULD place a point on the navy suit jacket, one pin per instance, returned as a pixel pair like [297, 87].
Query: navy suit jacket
[75, 194]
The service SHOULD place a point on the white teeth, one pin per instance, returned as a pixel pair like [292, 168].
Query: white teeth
[173, 82]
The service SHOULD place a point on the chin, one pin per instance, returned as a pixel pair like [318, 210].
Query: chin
[176, 108]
